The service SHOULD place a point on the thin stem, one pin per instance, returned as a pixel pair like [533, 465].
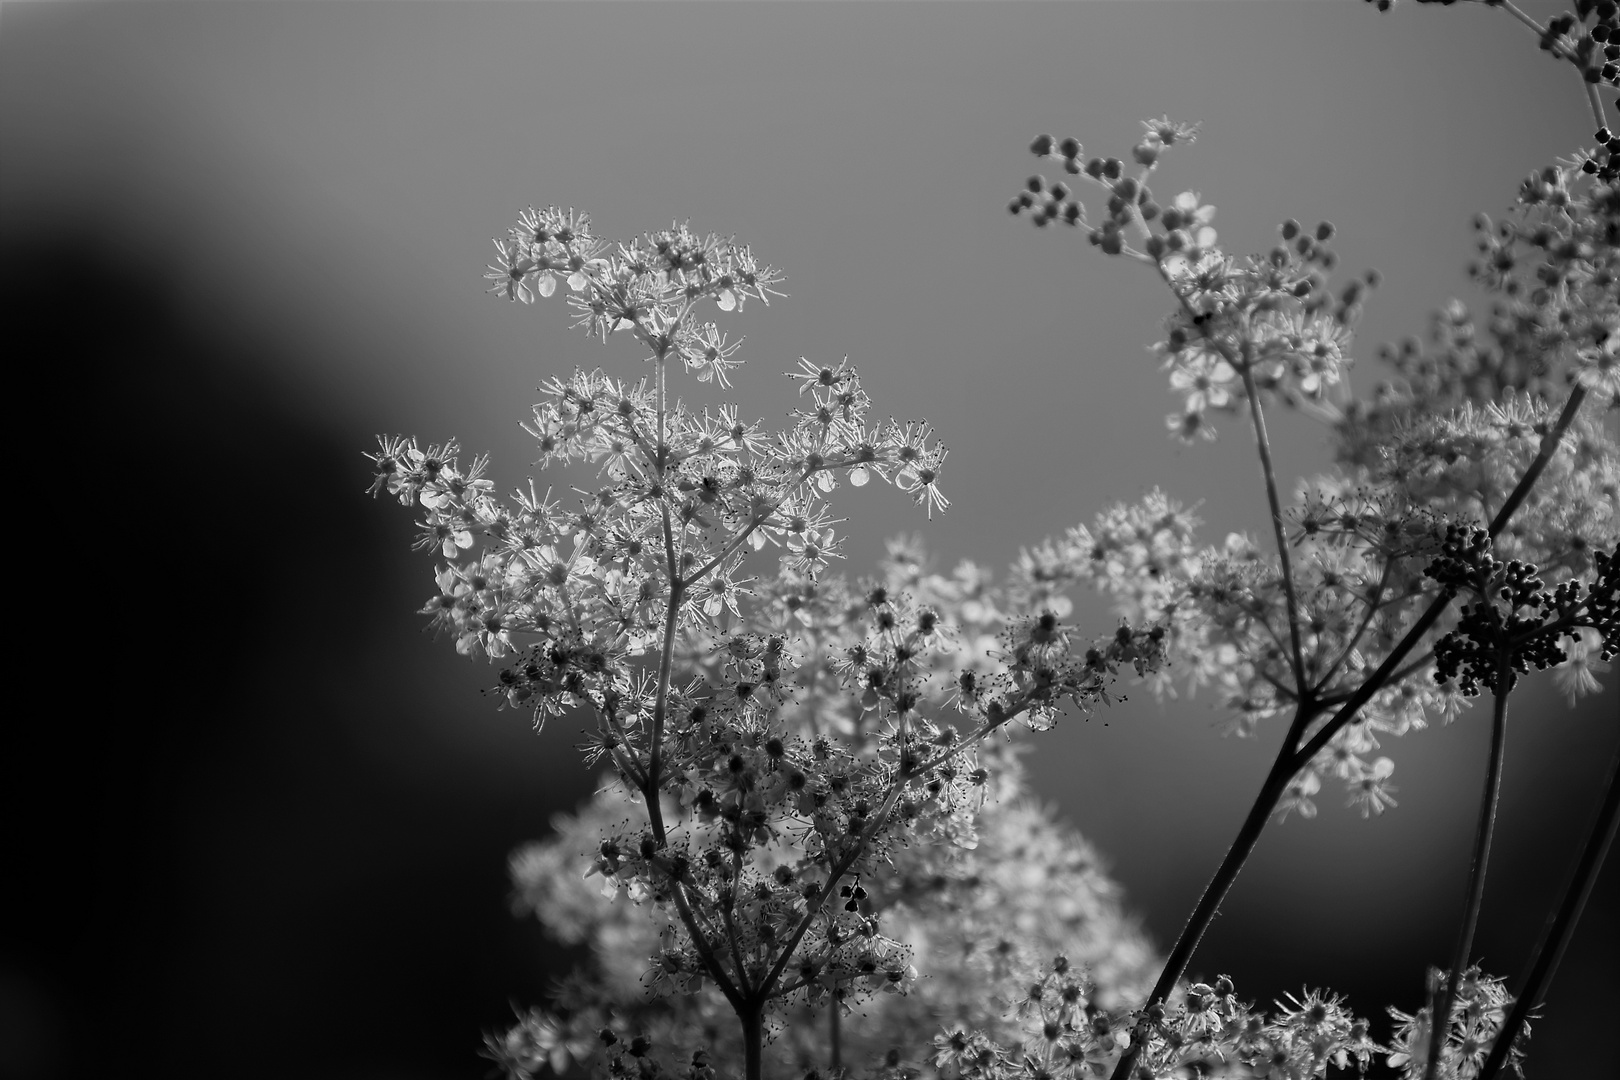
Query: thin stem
[1509, 7]
[1549, 445]
[835, 1034]
[666, 664]
[1560, 50]
[1373, 604]
[1440, 1021]
[1244, 365]
[1412, 668]
[700, 941]
[726, 907]
[835, 874]
[1560, 927]
[1258, 416]
[1214, 893]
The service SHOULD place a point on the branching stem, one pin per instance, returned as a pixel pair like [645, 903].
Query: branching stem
[1291, 757]
[1258, 416]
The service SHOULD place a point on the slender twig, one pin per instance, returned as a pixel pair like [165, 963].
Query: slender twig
[1549, 446]
[835, 1040]
[1560, 926]
[1374, 603]
[727, 904]
[836, 874]
[1440, 1020]
[1244, 365]
[1559, 50]
[1412, 668]
[1258, 416]
[1214, 893]
[666, 664]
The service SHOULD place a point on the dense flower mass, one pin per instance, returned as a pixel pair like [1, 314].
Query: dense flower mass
[811, 852]
[808, 752]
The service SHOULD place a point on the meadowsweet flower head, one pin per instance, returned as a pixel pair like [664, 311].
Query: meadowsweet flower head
[811, 827]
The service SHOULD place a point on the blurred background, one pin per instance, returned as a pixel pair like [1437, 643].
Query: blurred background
[256, 822]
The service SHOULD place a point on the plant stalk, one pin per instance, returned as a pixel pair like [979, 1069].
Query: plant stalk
[753, 1033]
[1560, 926]
[835, 1034]
[1269, 472]
[1209, 903]
[1440, 1020]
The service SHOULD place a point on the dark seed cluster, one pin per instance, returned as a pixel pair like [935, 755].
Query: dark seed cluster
[1516, 624]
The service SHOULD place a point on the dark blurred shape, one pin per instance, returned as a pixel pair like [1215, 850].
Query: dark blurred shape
[207, 872]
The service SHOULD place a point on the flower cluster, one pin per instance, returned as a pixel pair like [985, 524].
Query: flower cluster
[965, 883]
[978, 921]
[1478, 1008]
[1256, 325]
[1207, 1030]
[1517, 623]
[803, 748]
[1347, 628]
[810, 846]
[1303, 630]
